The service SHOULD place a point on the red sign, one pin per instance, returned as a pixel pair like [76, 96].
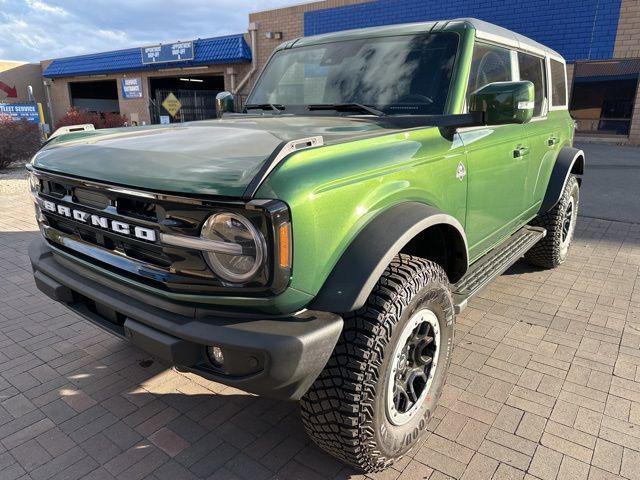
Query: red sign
[11, 92]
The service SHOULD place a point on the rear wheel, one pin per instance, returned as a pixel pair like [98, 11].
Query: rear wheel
[372, 402]
[560, 223]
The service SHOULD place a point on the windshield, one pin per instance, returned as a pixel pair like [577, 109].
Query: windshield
[408, 74]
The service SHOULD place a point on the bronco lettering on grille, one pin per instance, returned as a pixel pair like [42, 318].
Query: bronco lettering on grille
[115, 226]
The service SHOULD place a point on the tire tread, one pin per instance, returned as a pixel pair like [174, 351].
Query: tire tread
[338, 410]
[546, 253]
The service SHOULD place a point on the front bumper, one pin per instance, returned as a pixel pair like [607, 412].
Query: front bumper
[274, 356]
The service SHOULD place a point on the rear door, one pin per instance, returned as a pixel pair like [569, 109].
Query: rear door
[497, 158]
[558, 131]
[540, 134]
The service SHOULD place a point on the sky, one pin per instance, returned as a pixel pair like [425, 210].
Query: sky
[34, 30]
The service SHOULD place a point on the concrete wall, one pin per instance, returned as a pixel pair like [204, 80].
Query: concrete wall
[20, 75]
[133, 108]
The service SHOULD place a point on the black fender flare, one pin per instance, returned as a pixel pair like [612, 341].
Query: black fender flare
[570, 160]
[365, 259]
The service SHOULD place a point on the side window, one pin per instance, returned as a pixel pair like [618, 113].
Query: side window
[532, 69]
[558, 84]
[489, 64]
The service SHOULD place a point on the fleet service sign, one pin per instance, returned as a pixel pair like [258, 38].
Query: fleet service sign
[131, 88]
[170, 52]
[21, 111]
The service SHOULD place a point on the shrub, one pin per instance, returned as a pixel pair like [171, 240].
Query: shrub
[111, 120]
[18, 141]
[78, 117]
[98, 120]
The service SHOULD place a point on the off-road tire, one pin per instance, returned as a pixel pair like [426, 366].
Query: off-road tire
[345, 410]
[549, 252]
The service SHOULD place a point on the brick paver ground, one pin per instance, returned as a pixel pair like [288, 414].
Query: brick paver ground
[544, 384]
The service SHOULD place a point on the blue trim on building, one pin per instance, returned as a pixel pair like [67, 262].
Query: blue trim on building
[208, 51]
[577, 29]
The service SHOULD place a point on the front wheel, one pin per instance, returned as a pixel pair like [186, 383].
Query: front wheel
[560, 223]
[372, 402]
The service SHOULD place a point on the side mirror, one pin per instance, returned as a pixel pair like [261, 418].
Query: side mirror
[224, 103]
[504, 102]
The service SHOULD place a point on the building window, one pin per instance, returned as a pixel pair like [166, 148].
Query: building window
[532, 69]
[603, 95]
[558, 84]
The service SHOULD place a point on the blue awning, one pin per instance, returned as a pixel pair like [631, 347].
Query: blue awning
[207, 51]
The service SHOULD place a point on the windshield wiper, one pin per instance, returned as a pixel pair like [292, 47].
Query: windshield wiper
[276, 107]
[347, 107]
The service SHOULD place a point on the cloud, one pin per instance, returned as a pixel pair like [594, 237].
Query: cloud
[46, 8]
[34, 30]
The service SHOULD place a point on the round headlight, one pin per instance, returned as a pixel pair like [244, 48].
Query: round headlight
[233, 228]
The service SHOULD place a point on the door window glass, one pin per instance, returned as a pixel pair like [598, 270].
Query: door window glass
[489, 64]
[532, 69]
[558, 84]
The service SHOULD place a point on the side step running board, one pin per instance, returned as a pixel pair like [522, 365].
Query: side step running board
[495, 263]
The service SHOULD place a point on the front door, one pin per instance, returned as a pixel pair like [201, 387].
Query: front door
[498, 159]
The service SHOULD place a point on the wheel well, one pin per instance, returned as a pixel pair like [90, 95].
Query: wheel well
[409, 227]
[442, 244]
[578, 166]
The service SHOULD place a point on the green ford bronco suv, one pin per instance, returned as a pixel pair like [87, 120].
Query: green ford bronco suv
[317, 245]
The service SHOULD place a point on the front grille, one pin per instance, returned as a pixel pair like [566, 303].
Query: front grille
[172, 268]
[137, 209]
[90, 198]
[150, 254]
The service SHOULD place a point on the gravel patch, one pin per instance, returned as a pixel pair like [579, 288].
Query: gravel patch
[13, 180]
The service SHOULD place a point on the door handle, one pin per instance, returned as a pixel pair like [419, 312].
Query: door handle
[551, 141]
[520, 152]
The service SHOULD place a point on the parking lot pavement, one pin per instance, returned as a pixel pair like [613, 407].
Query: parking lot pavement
[544, 384]
[612, 182]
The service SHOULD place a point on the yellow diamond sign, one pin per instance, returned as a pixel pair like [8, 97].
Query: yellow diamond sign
[171, 104]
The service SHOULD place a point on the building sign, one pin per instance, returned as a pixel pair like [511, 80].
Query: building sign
[131, 88]
[169, 52]
[171, 104]
[10, 91]
[21, 111]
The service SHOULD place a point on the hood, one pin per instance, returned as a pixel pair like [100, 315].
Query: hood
[213, 157]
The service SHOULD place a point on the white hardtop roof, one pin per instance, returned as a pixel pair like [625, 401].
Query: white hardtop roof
[494, 33]
[484, 31]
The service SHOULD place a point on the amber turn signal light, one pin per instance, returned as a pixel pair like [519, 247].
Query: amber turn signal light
[284, 240]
